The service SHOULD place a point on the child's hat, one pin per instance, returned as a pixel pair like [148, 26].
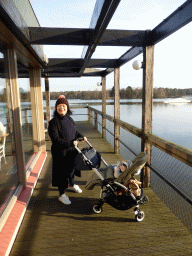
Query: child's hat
[125, 163]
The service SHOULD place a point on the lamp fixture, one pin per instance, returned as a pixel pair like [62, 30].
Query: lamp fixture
[137, 64]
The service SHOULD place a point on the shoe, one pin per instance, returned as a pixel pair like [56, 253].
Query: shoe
[64, 199]
[75, 188]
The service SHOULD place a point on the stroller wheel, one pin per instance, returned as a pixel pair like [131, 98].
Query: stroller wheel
[140, 216]
[97, 209]
[144, 200]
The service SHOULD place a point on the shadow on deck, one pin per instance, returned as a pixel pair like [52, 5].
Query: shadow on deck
[51, 228]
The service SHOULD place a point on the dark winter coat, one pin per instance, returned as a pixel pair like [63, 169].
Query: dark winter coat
[62, 149]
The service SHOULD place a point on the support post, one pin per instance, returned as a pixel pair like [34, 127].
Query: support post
[103, 106]
[37, 109]
[9, 122]
[12, 72]
[117, 110]
[147, 106]
[47, 98]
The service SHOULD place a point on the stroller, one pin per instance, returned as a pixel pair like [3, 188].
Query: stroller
[113, 191]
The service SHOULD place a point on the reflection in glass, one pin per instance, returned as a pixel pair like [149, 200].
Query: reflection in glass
[8, 167]
[26, 113]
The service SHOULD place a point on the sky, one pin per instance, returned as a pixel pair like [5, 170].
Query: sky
[172, 59]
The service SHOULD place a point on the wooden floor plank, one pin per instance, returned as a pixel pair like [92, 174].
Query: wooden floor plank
[51, 228]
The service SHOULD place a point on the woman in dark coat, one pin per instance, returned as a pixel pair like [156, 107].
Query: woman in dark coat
[63, 134]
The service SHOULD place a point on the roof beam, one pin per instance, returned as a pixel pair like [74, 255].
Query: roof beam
[72, 73]
[60, 36]
[70, 66]
[175, 21]
[129, 55]
[103, 12]
[77, 63]
[126, 57]
[81, 36]
[66, 67]
[113, 37]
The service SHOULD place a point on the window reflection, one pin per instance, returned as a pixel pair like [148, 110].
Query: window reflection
[26, 113]
[8, 167]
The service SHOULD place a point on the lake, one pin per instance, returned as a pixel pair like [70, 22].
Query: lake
[172, 122]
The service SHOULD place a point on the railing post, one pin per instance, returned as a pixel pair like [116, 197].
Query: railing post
[90, 115]
[26, 117]
[9, 122]
[95, 120]
[147, 106]
[117, 110]
[104, 106]
[47, 98]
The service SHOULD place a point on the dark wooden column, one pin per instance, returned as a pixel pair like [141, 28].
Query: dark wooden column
[96, 121]
[147, 106]
[47, 98]
[104, 106]
[117, 110]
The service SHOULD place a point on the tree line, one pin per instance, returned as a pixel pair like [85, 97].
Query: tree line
[128, 93]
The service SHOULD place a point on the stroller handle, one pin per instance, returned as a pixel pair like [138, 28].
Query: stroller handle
[78, 149]
[81, 139]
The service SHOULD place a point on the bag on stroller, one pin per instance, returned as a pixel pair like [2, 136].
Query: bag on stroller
[92, 155]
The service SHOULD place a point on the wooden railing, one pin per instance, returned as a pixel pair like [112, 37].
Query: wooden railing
[178, 152]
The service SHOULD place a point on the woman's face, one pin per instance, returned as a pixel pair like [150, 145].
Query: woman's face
[62, 109]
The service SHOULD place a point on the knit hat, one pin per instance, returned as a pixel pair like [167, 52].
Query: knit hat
[61, 100]
[61, 96]
[125, 163]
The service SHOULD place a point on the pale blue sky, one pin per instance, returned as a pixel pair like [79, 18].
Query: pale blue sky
[173, 64]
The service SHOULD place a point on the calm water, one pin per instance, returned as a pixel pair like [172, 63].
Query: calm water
[171, 122]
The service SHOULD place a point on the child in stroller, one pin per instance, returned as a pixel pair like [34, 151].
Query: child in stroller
[116, 191]
[120, 167]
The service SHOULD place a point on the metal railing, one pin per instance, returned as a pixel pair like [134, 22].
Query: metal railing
[171, 173]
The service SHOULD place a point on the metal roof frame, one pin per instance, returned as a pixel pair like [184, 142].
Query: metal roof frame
[96, 35]
[136, 39]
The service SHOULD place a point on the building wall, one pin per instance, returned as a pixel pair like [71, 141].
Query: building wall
[21, 108]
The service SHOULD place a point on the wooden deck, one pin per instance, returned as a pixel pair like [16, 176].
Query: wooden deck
[51, 228]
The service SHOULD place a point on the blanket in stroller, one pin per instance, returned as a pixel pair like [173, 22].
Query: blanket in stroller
[134, 187]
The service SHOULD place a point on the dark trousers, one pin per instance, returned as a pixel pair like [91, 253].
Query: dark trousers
[69, 164]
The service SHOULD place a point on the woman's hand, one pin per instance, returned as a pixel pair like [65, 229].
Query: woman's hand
[84, 138]
[75, 142]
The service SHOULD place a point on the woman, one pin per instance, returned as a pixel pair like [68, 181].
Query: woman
[63, 134]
